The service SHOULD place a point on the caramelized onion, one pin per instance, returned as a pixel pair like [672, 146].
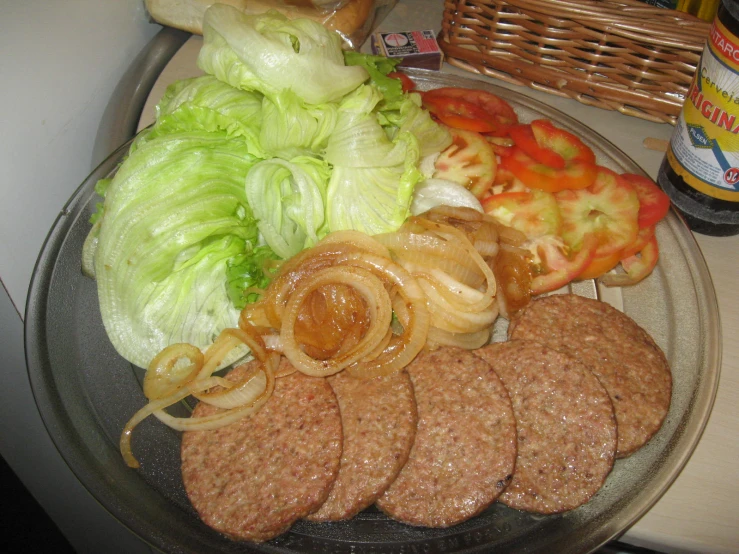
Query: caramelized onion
[330, 308]
[166, 374]
[378, 306]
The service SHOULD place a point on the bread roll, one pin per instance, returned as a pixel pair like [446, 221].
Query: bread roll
[188, 14]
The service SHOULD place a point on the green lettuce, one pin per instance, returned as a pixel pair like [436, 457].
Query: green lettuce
[287, 198]
[374, 199]
[207, 104]
[248, 270]
[175, 215]
[291, 128]
[378, 68]
[271, 53]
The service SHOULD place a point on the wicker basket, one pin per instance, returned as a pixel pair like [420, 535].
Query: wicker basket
[618, 55]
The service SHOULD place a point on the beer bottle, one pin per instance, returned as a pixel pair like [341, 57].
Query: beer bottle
[700, 171]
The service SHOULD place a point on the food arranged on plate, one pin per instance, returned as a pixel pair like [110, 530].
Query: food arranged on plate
[348, 243]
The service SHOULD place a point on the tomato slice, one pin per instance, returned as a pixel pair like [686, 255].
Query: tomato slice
[576, 175]
[558, 264]
[564, 143]
[637, 267]
[534, 213]
[501, 111]
[653, 202]
[524, 138]
[406, 82]
[458, 113]
[469, 161]
[600, 265]
[608, 209]
[644, 236]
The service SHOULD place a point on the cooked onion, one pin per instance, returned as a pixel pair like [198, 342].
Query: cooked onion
[330, 308]
[401, 349]
[468, 341]
[380, 315]
[166, 373]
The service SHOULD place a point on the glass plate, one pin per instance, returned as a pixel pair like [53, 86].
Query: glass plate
[86, 393]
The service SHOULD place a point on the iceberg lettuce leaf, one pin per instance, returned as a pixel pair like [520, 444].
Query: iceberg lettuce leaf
[288, 198]
[374, 199]
[291, 128]
[175, 214]
[271, 53]
[205, 103]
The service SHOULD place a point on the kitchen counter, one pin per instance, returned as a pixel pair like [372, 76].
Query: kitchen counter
[699, 511]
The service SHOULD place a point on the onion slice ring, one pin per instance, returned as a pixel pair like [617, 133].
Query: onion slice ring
[378, 302]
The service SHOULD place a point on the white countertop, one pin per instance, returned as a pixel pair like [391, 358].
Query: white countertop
[699, 511]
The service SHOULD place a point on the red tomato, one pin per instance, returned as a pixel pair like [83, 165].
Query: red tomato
[564, 143]
[653, 202]
[524, 138]
[600, 265]
[405, 81]
[469, 161]
[559, 264]
[534, 213]
[637, 267]
[644, 236]
[459, 114]
[501, 111]
[576, 175]
[608, 209]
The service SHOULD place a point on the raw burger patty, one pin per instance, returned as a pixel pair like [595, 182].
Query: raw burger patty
[565, 424]
[465, 447]
[622, 355]
[378, 417]
[253, 478]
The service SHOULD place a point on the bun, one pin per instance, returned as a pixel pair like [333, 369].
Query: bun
[188, 14]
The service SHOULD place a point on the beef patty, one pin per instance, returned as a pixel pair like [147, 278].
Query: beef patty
[378, 417]
[565, 424]
[253, 478]
[622, 355]
[465, 447]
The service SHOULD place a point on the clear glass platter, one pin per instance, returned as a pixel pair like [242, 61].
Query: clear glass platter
[86, 393]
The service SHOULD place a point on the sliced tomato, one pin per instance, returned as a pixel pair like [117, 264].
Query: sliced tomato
[504, 176]
[653, 202]
[576, 175]
[405, 81]
[608, 209]
[513, 185]
[600, 265]
[469, 161]
[501, 145]
[534, 213]
[524, 138]
[459, 114]
[644, 236]
[637, 267]
[501, 111]
[564, 143]
[556, 264]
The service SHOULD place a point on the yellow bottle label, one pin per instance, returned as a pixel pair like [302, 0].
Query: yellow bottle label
[704, 149]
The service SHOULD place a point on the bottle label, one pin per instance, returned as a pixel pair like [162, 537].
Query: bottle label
[704, 149]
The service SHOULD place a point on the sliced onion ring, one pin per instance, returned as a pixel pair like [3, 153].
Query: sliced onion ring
[378, 302]
[166, 374]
